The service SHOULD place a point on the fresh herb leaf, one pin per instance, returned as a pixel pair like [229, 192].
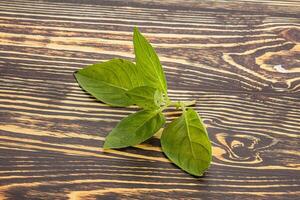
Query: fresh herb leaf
[185, 142]
[120, 82]
[135, 129]
[109, 81]
[147, 59]
[146, 97]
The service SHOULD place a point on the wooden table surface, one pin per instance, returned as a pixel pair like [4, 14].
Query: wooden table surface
[239, 59]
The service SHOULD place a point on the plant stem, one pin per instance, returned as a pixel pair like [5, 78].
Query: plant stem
[182, 105]
[189, 103]
[178, 104]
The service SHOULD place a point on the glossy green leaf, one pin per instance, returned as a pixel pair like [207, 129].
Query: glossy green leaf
[146, 97]
[147, 60]
[109, 81]
[135, 129]
[185, 142]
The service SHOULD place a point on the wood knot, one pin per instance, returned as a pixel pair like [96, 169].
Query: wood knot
[291, 34]
[242, 148]
[280, 86]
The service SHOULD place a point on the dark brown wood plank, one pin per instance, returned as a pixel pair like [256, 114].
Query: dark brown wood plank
[239, 60]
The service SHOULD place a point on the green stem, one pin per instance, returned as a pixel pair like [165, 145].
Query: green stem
[189, 103]
[178, 104]
[182, 105]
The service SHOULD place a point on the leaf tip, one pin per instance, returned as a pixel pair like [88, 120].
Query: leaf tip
[105, 145]
[75, 75]
[135, 29]
[136, 32]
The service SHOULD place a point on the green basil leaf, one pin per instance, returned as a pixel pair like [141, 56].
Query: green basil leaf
[109, 81]
[145, 97]
[135, 129]
[185, 142]
[148, 61]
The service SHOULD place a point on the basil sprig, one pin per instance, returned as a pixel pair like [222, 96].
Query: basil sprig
[121, 83]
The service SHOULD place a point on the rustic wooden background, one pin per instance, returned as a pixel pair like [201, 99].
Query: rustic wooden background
[239, 59]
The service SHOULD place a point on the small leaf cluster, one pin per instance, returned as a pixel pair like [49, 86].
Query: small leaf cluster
[121, 83]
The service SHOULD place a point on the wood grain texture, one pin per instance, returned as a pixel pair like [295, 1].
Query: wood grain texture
[239, 59]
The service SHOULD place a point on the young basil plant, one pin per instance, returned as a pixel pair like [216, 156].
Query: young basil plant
[122, 83]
